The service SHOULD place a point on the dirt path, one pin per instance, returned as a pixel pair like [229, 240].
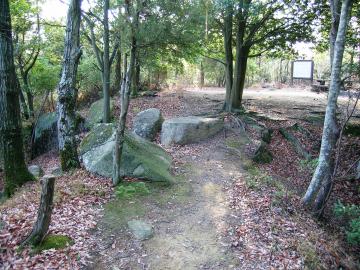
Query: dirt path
[190, 219]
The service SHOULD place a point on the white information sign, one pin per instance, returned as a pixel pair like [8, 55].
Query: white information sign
[303, 69]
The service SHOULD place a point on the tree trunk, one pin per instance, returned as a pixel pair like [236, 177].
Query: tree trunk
[24, 105]
[323, 176]
[228, 56]
[335, 7]
[106, 61]
[29, 96]
[15, 169]
[67, 90]
[125, 99]
[136, 68]
[42, 223]
[118, 70]
[239, 78]
[202, 75]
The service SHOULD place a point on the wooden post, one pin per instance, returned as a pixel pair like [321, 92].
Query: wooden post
[42, 223]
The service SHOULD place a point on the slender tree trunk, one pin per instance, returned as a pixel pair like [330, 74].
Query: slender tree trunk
[118, 70]
[125, 97]
[42, 223]
[335, 8]
[202, 75]
[29, 96]
[16, 172]
[106, 61]
[67, 90]
[24, 105]
[228, 56]
[125, 65]
[321, 180]
[134, 83]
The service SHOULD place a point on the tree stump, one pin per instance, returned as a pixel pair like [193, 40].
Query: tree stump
[42, 223]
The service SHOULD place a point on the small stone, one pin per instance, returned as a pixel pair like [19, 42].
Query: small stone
[36, 171]
[140, 229]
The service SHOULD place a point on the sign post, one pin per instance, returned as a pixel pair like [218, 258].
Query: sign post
[302, 69]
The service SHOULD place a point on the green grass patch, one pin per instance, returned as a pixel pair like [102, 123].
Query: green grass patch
[54, 241]
[131, 189]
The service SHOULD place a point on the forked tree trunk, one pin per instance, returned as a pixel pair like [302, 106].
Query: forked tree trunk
[321, 181]
[228, 56]
[67, 90]
[43, 220]
[16, 172]
[125, 97]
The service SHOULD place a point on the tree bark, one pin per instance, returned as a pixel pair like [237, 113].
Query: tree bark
[136, 76]
[106, 61]
[16, 172]
[228, 24]
[24, 106]
[117, 83]
[335, 8]
[322, 178]
[242, 54]
[67, 90]
[43, 220]
[202, 75]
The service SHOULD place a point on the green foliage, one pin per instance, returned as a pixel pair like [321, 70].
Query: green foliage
[131, 189]
[308, 164]
[351, 214]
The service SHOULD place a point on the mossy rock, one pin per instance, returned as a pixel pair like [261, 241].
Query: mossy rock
[96, 113]
[54, 241]
[141, 158]
[262, 154]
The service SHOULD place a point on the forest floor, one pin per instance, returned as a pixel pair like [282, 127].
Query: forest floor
[224, 212]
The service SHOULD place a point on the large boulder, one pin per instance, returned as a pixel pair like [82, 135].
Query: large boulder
[96, 112]
[36, 171]
[45, 138]
[184, 130]
[148, 123]
[140, 158]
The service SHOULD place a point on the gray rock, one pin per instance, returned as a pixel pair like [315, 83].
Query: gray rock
[95, 115]
[57, 171]
[45, 138]
[140, 229]
[147, 123]
[36, 171]
[184, 130]
[141, 158]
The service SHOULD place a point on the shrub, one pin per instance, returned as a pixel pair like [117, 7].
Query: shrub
[351, 213]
